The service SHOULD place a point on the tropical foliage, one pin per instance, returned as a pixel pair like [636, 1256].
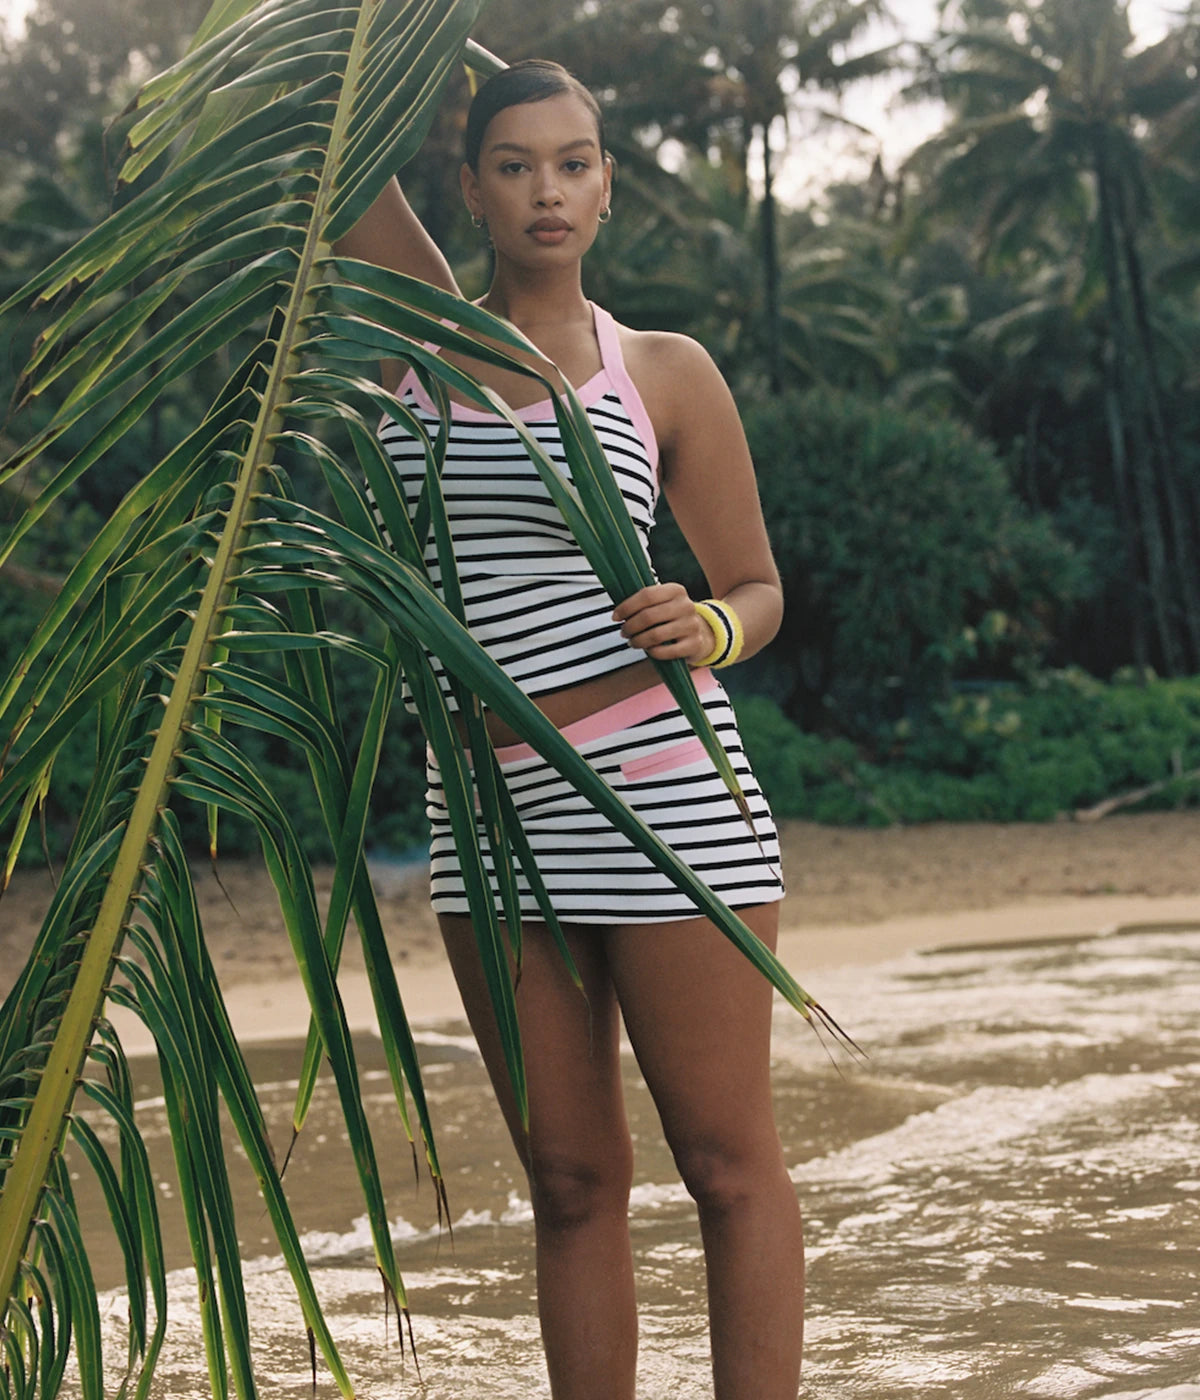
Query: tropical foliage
[893, 534]
[1063, 744]
[200, 610]
[1070, 163]
[970, 283]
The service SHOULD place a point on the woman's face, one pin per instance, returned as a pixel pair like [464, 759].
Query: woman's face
[541, 182]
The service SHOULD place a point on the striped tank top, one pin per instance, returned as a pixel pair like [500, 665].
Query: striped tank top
[533, 601]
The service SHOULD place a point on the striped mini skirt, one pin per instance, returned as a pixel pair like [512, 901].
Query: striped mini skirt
[645, 749]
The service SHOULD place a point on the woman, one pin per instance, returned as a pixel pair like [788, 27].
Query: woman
[697, 1014]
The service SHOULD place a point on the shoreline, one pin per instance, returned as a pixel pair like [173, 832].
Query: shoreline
[275, 1010]
[855, 896]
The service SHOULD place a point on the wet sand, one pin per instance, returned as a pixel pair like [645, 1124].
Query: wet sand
[855, 896]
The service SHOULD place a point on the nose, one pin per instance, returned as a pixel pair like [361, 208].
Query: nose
[546, 193]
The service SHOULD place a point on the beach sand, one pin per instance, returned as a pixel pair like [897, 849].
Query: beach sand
[854, 896]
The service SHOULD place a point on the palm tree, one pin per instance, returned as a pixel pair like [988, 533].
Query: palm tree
[1062, 146]
[770, 50]
[245, 162]
[685, 255]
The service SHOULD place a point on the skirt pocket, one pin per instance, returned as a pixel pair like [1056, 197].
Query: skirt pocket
[650, 765]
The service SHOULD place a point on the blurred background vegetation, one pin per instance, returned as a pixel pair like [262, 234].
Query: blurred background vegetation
[969, 376]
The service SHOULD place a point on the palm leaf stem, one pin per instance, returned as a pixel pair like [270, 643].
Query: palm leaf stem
[43, 1129]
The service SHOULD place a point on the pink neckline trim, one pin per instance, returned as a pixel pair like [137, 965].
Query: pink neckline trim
[589, 392]
[612, 374]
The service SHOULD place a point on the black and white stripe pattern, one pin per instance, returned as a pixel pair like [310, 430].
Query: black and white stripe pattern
[593, 873]
[532, 599]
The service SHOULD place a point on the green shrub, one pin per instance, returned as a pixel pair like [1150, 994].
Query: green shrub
[904, 553]
[802, 775]
[1061, 742]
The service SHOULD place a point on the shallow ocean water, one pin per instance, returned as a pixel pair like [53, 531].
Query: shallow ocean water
[1004, 1201]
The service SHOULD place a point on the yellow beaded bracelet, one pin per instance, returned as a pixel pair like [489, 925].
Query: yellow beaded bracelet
[726, 628]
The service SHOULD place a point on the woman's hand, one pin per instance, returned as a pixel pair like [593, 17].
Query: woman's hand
[663, 622]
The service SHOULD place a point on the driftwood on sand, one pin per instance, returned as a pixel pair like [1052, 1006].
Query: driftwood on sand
[1129, 799]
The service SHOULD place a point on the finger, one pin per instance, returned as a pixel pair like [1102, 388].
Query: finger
[654, 595]
[680, 614]
[679, 649]
[674, 638]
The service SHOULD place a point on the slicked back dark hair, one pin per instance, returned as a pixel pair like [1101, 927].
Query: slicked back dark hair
[530, 80]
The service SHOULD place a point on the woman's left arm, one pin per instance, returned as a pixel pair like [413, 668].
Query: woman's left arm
[708, 479]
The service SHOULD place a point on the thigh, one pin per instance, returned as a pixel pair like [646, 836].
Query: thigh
[570, 1040]
[698, 1016]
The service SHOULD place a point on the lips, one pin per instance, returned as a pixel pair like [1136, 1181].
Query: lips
[550, 232]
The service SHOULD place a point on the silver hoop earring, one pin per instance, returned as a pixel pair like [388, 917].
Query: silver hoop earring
[476, 220]
[605, 214]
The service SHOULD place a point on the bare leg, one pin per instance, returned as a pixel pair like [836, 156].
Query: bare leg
[577, 1155]
[699, 1017]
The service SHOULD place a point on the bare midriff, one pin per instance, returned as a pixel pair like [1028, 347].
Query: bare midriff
[563, 707]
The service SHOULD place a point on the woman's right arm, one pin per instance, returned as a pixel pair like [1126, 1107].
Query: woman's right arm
[390, 235]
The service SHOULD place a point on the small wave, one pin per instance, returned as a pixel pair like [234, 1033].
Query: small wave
[986, 1119]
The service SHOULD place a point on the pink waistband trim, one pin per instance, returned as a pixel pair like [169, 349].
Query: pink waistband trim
[632, 710]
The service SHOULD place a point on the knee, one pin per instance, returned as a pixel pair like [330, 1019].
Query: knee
[723, 1177]
[569, 1191]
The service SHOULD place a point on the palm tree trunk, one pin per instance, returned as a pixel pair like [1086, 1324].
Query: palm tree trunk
[1183, 533]
[1133, 457]
[1126, 513]
[769, 216]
